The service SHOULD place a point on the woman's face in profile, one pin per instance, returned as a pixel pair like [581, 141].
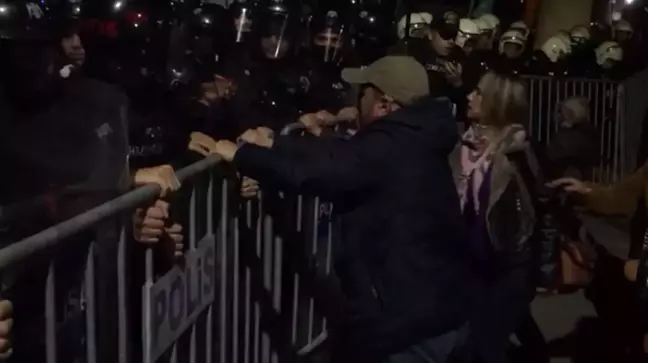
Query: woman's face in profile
[474, 111]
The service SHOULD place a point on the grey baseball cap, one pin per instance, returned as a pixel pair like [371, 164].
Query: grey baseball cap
[400, 77]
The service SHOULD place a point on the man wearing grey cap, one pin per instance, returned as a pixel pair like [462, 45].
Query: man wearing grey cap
[402, 259]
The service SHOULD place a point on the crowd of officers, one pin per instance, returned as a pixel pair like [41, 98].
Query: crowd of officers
[97, 96]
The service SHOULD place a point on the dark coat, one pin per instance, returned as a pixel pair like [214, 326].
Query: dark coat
[574, 151]
[403, 261]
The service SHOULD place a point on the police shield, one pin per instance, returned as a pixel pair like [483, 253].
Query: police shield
[242, 16]
[328, 40]
[275, 32]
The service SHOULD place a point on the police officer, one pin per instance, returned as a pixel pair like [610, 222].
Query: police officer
[468, 35]
[266, 71]
[412, 28]
[442, 59]
[65, 137]
[371, 36]
[582, 58]
[128, 45]
[609, 58]
[202, 86]
[512, 45]
[327, 52]
[552, 59]
[624, 34]
[241, 15]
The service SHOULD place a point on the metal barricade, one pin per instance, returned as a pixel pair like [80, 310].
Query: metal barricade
[245, 290]
[545, 93]
[617, 109]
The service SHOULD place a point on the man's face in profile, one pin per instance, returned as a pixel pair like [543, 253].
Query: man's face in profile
[367, 104]
[73, 49]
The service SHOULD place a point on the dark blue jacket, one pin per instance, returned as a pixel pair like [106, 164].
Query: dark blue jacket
[404, 263]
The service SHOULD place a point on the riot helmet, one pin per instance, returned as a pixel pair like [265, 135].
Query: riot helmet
[202, 36]
[622, 31]
[419, 24]
[467, 35]
[556, 48]
[512, 44]
[580, 35]
[242, 15]
[372, 31]
[451, 17]
[66, 31]
[328, 28]
[129, 44]
[492, 25]
[609, 54]
[521, 26]
[277, 28]
[32, 65]
[485, 40]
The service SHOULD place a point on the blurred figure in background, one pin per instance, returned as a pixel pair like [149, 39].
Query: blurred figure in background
[489, 26]
[609, 58]
[468, 35]
[328, 49]
[552, 58]
[419, 27]
[575, 150]
[582, 59]
[512, 46]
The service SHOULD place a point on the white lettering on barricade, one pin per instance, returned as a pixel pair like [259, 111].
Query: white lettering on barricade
[179, 297]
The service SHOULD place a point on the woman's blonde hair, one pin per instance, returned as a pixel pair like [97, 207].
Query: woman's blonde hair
[504, 100]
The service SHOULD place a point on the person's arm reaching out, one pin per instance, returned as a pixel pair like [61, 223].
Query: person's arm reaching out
[351, 165]
[617, 199]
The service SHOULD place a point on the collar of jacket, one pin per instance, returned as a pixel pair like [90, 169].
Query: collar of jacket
[513, 139]
[422, 114]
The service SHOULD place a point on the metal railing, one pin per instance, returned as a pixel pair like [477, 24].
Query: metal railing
[617, 110]
[243, 292]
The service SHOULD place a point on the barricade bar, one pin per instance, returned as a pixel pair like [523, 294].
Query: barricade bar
[53, 235]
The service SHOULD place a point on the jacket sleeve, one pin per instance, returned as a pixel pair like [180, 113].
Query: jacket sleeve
[305, 145]
[620, 198]
[327, 171]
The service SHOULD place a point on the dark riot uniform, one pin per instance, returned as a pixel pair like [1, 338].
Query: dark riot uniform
[64, 142]
[325, 54]
[268, 77]
[435, 67]
[132, 47]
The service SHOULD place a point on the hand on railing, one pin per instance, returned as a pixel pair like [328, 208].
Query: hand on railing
[205, 146]
[261, 136]
[149, 224]
[176, 238]
[6, 326]
[202, 144]
[314, 122]
[163, 175]
[249, 188]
